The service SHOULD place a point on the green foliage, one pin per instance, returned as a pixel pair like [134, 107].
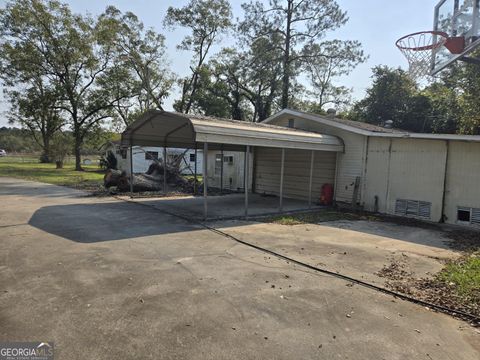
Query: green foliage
[234, 83]
[339, 59]
[276, 44]
[60, 147]
[92, 66]
[299, 28]
[450, 104]
[464, 275]
[394, 96]
[206, 20]
[141, 66]
[462, 82]
[14, 140]
[33, 106]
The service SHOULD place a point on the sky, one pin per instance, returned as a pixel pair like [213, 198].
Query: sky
[377, 24]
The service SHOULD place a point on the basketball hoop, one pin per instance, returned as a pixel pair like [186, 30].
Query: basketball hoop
[418, 48]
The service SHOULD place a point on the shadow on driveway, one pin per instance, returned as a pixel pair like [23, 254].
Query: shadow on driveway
[89, 223]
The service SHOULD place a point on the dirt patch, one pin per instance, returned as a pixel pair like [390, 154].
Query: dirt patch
[464, 240]
[445, 288]
[316, 217]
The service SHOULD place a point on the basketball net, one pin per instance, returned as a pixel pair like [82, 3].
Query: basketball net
[418, 48]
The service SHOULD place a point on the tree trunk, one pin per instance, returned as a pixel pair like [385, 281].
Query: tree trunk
[286, 58]
[78, 157]
[45, 157]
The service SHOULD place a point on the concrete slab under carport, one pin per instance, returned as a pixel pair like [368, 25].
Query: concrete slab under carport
[168, 289]
[229, 206]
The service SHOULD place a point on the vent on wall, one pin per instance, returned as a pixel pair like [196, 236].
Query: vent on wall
[468, 215]
[413, 208]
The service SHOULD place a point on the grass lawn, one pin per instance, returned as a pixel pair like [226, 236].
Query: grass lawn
[464, 275]
[30, 169]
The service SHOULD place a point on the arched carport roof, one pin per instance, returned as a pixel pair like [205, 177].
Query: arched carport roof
[170, 129]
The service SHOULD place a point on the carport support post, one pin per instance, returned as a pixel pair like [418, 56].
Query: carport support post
[221, 171]
[195, 173]
[131, 169]
[165, 169]
[245, 178]
[312, 159]
[205, 180]
[282, 169]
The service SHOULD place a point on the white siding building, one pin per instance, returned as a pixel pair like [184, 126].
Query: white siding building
[433, 177]
[293, 154]
[143, 157]
[233, 163]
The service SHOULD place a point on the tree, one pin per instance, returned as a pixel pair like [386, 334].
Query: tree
[34, 107]
[263, 76]
[61, 145]
[141, 66]
[445, 106]
[248, 82]
[340, 58]
[74, 53]
[206, 19]
[298, 26]
[394, 96]
[463, 80]
[240, 85]
[214, 94]
[17, 140]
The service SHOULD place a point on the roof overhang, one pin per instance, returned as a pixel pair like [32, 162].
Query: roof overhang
[161, 128]
[289, 113]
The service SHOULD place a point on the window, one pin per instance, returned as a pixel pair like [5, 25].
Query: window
[228, 159]
[413, 208]
[291, 123]
[151, 155]
[468, 215]
[192, 157]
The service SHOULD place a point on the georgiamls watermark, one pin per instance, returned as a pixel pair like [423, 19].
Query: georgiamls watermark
[26, 351]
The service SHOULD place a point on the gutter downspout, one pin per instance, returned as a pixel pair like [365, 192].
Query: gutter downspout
[443, 217]
[364, 177]
[387, 192]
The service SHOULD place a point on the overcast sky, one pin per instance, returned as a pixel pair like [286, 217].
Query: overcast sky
[375, 23]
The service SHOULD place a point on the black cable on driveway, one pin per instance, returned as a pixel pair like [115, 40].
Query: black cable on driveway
[474, 320]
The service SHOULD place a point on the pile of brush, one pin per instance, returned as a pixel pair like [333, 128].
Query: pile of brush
[152, 180]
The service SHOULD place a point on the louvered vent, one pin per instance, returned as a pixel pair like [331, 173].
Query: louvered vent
[475, 216]
[413, 208]
[401, 207]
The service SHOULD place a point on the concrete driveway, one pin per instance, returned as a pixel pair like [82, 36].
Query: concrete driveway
[106, 279]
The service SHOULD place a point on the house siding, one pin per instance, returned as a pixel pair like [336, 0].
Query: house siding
[296, 172]
[350, 163]
[463, 178]
[408, 169]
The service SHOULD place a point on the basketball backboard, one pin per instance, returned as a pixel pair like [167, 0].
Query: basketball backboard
[456, 18]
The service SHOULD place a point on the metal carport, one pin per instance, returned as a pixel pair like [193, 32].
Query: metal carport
[170, 129]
